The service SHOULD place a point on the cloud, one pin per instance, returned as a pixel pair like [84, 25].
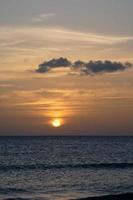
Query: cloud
[54, 63]
[5, 85]
[43, 17]
[9, 34]
[80, 67]
[96, 67]
[24, 47]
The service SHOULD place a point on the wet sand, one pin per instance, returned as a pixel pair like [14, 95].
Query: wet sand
[127, 196]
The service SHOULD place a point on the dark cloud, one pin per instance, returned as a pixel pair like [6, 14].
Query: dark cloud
[90, 68]
[96, 67]
[54, 63]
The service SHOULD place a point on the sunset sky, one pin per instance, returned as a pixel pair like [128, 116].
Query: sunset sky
[66, 99]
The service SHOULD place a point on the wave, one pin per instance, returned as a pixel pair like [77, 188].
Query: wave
[67, 166]
[26, 198]
[11, 190]
[18, 199]
[126, 196]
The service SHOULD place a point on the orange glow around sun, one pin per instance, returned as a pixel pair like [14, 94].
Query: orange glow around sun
[56, 122]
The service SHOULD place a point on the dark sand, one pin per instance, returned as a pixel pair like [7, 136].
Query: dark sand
[128, 196]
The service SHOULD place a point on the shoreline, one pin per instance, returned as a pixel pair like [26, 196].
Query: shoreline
[124, 196]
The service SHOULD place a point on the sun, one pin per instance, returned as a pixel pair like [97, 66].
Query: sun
[56, 123]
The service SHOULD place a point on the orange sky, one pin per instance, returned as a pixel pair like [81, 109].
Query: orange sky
[33, 32]
[93, 105]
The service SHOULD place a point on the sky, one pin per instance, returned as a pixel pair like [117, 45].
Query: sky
[42, 96]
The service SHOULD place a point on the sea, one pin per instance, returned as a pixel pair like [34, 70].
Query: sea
[64, 168]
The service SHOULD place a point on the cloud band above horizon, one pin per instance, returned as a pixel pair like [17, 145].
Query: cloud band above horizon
[81, 67]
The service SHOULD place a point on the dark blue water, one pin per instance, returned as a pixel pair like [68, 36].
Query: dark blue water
[62, 168]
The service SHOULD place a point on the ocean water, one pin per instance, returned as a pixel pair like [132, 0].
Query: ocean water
[63, 168]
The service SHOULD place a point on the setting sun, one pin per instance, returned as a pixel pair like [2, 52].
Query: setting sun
[56, 123]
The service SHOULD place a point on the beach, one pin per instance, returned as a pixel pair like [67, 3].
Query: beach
[128, 196]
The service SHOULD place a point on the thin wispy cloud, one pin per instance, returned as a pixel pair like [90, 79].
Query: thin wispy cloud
[60, 34]
[5, 85]
[43, 17]
[26, 46]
